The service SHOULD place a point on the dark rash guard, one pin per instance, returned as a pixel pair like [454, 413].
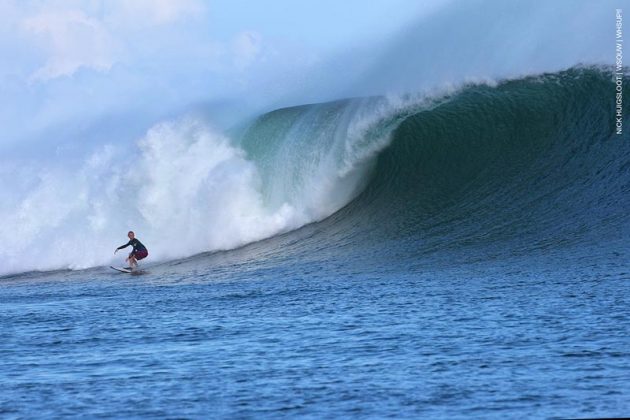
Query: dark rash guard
[136, 244]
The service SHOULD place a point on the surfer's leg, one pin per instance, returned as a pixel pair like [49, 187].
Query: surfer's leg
[132, 261]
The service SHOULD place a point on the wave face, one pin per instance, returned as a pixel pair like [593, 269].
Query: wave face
[522, 166]
[529, 165]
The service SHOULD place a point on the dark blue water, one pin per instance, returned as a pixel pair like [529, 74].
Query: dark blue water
[535, 338]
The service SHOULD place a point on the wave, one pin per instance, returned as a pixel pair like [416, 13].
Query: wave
[525, 165]
[531, 163]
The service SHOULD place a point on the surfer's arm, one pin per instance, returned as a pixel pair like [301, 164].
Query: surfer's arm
[122, 246]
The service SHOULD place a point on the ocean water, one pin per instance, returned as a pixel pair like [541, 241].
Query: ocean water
[459, 255]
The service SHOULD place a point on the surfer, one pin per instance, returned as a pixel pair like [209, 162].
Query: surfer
[139, 251]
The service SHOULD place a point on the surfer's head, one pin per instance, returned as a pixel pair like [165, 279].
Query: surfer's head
[130, 234]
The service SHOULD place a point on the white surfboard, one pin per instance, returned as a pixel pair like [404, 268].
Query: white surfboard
[121, 269]
[136, 272]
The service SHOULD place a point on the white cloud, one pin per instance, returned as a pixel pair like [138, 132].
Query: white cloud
[154, 12]
[72, 40]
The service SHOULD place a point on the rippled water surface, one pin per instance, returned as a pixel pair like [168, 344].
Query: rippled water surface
[207, 337]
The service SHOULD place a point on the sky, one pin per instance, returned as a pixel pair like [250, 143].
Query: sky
[67, 65]
[93, 71]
